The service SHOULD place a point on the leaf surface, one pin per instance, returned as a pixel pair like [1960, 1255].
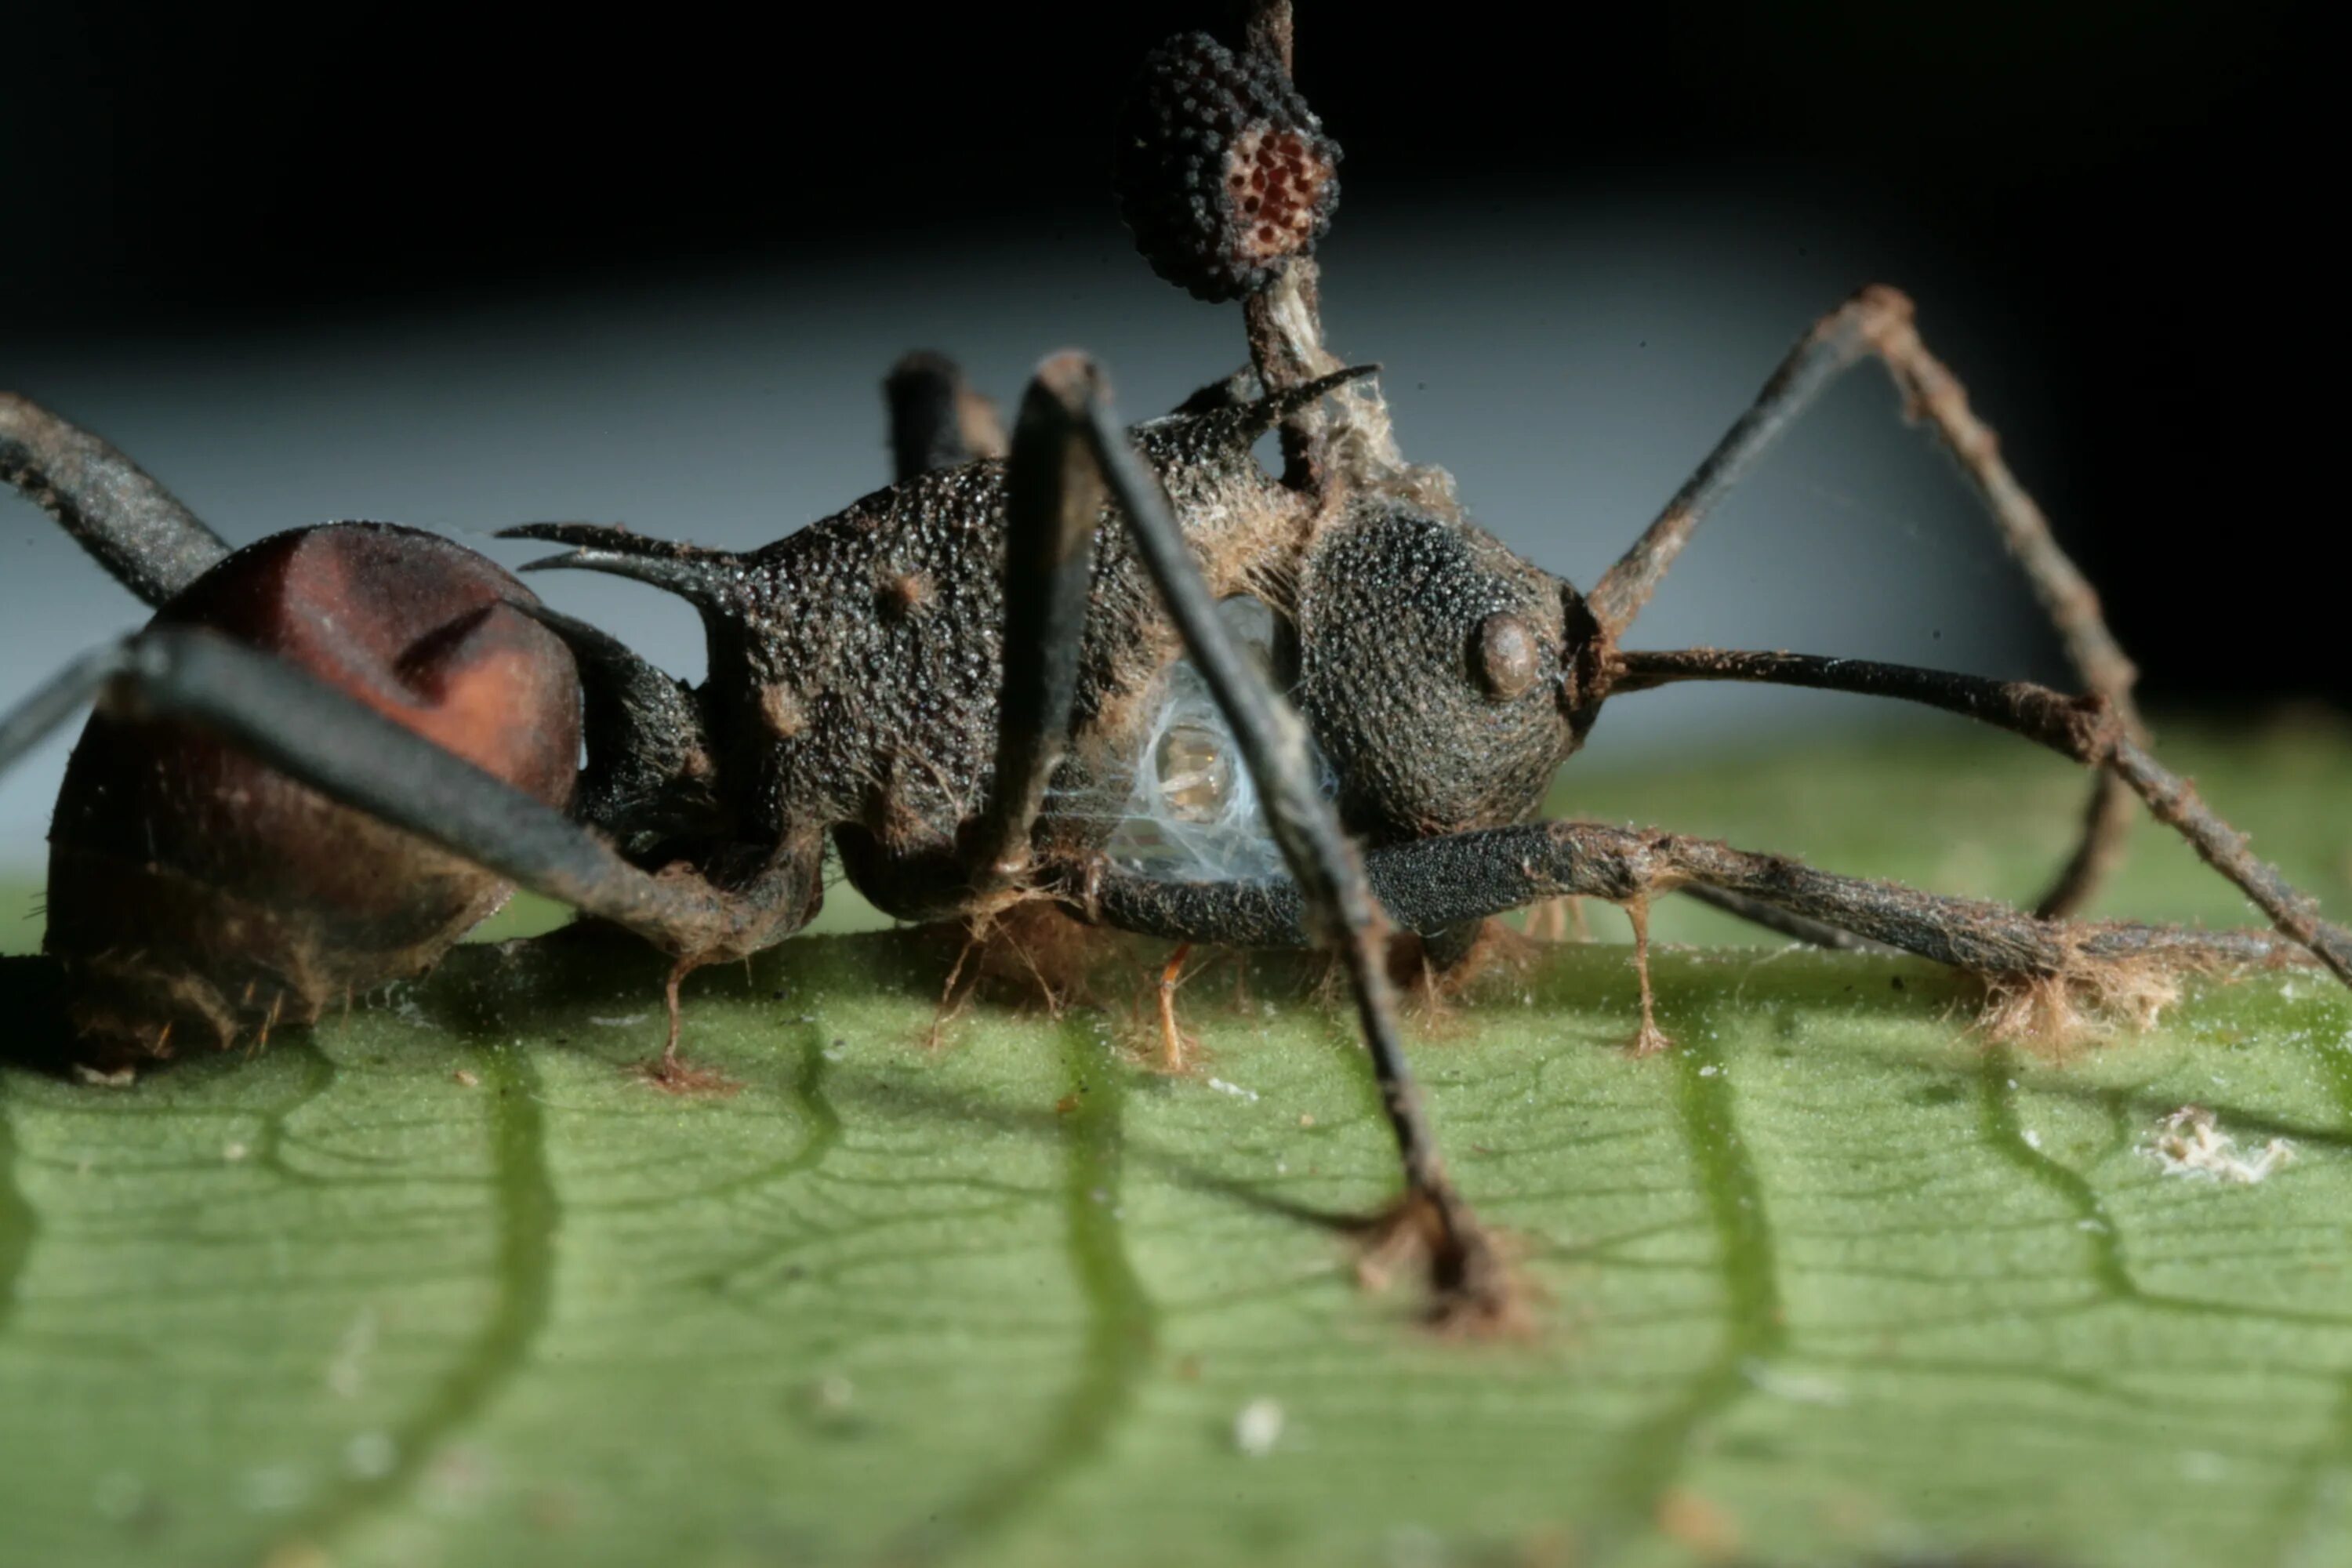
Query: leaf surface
[1833, 1281]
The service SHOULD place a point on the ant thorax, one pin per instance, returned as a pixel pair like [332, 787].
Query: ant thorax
[855, 665]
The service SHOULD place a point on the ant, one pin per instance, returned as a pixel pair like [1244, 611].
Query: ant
[330, 753]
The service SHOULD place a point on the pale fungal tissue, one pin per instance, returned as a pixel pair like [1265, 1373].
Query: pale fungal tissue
[1193, 815]
[2188, 1144]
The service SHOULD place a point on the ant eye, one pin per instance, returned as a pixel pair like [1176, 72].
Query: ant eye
[1506, 656]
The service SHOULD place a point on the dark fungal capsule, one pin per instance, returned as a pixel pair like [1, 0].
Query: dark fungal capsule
[1222, 171]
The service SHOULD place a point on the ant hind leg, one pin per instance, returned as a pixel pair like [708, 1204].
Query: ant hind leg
[150, 544]
[348, 752]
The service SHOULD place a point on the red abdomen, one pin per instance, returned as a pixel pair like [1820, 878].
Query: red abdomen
[197, 895]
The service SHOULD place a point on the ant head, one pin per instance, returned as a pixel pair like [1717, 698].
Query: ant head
[1445, 677]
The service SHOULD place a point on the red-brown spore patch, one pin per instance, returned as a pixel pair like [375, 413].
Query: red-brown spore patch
[1223, 172]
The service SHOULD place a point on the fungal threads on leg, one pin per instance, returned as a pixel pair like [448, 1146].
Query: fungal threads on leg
[669, 1071]
[1172, 1039]
[1649, 1040]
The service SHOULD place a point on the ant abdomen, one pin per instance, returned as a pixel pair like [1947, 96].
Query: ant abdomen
[198, 897]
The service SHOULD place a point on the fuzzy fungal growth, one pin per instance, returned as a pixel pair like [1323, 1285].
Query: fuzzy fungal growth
[1223, 172]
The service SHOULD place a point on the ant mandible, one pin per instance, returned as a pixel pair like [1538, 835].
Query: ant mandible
[329, 752]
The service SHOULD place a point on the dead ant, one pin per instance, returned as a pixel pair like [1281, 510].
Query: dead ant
[954, 680]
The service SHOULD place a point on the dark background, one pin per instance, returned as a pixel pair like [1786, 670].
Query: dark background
[2105, 177]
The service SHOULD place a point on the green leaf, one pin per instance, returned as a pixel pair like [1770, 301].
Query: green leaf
[442, 1282]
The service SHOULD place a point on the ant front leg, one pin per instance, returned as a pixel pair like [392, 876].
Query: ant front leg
[133, 526]
[1878, 322]
[1335, 905]
[1437, 882]
[354, 755]
[2085, 729]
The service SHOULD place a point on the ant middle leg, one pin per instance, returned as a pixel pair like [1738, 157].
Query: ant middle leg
[936, 420]
[1053, 504]
[1336, 906]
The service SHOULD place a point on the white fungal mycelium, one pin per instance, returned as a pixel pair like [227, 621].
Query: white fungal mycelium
[1192, 814]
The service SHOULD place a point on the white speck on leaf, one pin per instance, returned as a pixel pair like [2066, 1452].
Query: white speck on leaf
[274, 1488]
[120, 1495]
[2190, 1145]
[1258, 1428]
[347, 1372]
[2204, 1465]
[1416, 1546]
[1796, 1387]
[1236, 1091]
[371, 1455]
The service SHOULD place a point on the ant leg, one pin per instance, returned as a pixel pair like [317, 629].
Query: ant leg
[1337, 903]
[1649, 1040]
[1053, 506]
[2086, 730]
[1432, 883]
[149, 542]
[1054, 502]
[1796, 928]
[936, 420]
[356, 756]
[1171, 1035]
[1878, 321]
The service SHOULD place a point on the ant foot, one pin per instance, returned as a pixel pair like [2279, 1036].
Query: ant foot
[1649, 1040]
[1173, 1041]
[1473, 1291]
[671, 1075]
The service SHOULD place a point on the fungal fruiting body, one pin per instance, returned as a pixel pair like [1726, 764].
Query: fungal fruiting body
[1223, 172]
